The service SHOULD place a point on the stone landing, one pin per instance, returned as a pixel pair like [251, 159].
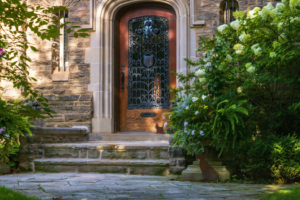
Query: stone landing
[125, 153]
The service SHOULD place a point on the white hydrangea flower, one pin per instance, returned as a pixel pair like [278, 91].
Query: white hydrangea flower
[255, 46]
[202, 80]
[284, 1]
[244, 37]
[274, 13]
[200, 73]
[266, 11]
[254, 13]
[295, 19]
[165, 124]
[240, 89]
[228, 58]
[294, 3]
[222, 28]
[251, 69]
[236, 25]
[280, 25]
[273, 54]
[258, 51]
[280, 6]
[239, 49]
[208, 64]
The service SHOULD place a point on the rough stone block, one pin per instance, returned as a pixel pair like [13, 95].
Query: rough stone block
[94, 153]
[83, 153]
[103, 169]
[61, 153]
[176, 170]
[156, 154]
[85, 97]
[4, 168]
[120, 154]
[54, 168]
[158, 171]
[77, 117]
[172, 162]
[181, 162]
[175, 152]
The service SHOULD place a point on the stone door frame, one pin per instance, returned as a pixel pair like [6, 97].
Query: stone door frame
[101, 56]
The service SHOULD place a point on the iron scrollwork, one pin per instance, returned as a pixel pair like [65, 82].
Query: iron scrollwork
[148, 65]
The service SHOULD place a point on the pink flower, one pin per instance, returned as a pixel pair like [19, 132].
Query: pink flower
[1, 51]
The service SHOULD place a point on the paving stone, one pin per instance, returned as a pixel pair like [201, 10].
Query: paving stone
[119, 186]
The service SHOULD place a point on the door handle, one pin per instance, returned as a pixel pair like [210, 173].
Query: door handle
[123, 79]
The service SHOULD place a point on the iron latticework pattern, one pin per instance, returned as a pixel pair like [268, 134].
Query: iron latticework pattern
[148, 65]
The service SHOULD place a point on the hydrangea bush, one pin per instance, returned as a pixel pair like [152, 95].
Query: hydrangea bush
[246, 84]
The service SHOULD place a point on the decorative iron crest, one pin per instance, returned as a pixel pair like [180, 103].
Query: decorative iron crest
[148, 65]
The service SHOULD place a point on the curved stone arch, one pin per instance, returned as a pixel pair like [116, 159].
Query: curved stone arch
[101, 55]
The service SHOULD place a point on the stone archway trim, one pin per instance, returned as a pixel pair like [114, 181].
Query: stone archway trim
[101, 56]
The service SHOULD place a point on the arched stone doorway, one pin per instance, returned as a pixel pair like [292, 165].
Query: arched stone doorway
[104, 61]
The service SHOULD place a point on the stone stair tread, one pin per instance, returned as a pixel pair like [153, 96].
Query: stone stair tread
[103, 162]
[132, 136]
[118, 145]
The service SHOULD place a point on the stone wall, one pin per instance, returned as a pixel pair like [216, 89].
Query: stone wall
[31, 146]
[71, 100]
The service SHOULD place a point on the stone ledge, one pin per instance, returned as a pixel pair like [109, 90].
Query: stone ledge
[103, 162]
[58, 130]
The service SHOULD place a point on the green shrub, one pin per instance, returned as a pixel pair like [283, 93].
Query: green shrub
[255, 60]
[270, 157]
[13, 124]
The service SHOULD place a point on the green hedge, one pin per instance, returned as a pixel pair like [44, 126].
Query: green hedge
[270, 157]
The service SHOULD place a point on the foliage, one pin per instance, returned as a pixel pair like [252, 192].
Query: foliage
[14, 156]
[269, 157]
[255, 60]
[7, 194]
[286, 194]
[16, 18]
[14, 123]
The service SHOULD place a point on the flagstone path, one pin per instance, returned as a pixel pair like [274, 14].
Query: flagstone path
[88, 186]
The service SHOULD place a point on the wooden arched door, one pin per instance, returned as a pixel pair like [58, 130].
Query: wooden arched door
[147, 55]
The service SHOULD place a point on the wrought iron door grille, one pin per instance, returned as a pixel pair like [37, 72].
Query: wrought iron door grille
[148, 63]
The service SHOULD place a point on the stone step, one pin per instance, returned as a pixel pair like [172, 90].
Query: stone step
[129, 137]
[147, 167]
[108, 150]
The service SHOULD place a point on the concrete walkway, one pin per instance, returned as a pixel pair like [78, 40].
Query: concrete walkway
[89, 186]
